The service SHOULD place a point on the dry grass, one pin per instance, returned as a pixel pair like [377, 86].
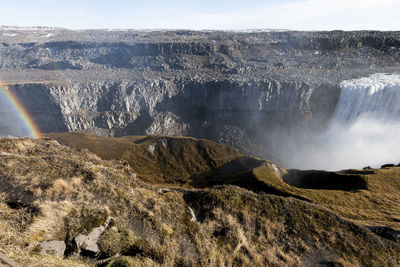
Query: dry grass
[290, 229]
[49, 191]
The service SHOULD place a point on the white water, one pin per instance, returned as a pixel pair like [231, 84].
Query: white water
[375, 96]
[364, 131]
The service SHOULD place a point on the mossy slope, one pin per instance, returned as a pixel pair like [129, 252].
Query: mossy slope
[155, 159]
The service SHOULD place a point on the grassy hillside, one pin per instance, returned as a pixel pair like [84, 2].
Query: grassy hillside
[369, 197]
[182, 161]
[373, 201]
[155, 159]
[51, 192]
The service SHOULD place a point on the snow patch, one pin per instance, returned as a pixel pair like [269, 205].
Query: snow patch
[31, 28]
[10, 34]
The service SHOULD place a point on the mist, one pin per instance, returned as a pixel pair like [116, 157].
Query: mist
[365, 142]
[364, 130]
[10, 121]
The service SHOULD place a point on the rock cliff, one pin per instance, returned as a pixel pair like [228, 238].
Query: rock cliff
[236, 88]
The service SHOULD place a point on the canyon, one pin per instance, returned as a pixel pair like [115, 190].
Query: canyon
[263, 92]
[112, 166]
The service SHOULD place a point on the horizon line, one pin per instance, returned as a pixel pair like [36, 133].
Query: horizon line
[14, 27]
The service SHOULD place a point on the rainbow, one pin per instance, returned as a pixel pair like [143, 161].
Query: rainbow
[21, 111]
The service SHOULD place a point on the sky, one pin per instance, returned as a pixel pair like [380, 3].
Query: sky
[204, 14]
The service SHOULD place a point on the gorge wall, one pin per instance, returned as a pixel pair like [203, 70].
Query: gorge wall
[263, 92]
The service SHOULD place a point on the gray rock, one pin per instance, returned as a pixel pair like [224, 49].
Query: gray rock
[192, 215]
[88, 242]
[53, 247]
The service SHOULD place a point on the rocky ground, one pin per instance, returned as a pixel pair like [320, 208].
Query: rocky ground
[237, 88]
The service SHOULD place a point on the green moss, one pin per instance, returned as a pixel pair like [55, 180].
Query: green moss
[190, 228]
[93, 220]
[143, 247]
[36, 250]
[116, 241]
[84, 220]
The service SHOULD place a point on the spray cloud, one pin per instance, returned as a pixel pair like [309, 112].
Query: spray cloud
[364, 130]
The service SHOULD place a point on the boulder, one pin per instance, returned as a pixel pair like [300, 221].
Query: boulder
[88, 243]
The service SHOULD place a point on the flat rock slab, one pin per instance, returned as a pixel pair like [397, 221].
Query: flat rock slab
[6, 261]
[89, 242]
[54, 247]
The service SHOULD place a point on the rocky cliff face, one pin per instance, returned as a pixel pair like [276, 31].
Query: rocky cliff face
[233, 87]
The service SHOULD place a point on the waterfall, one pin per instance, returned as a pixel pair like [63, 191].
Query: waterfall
[364, 130]
[365, 127]
[377, 96]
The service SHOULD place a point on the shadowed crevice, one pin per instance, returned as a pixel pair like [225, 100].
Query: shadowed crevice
[315, 179]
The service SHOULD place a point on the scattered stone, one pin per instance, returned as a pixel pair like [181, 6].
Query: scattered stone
[53, 247]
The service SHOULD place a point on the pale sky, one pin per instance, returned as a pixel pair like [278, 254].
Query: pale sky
[204, 14]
